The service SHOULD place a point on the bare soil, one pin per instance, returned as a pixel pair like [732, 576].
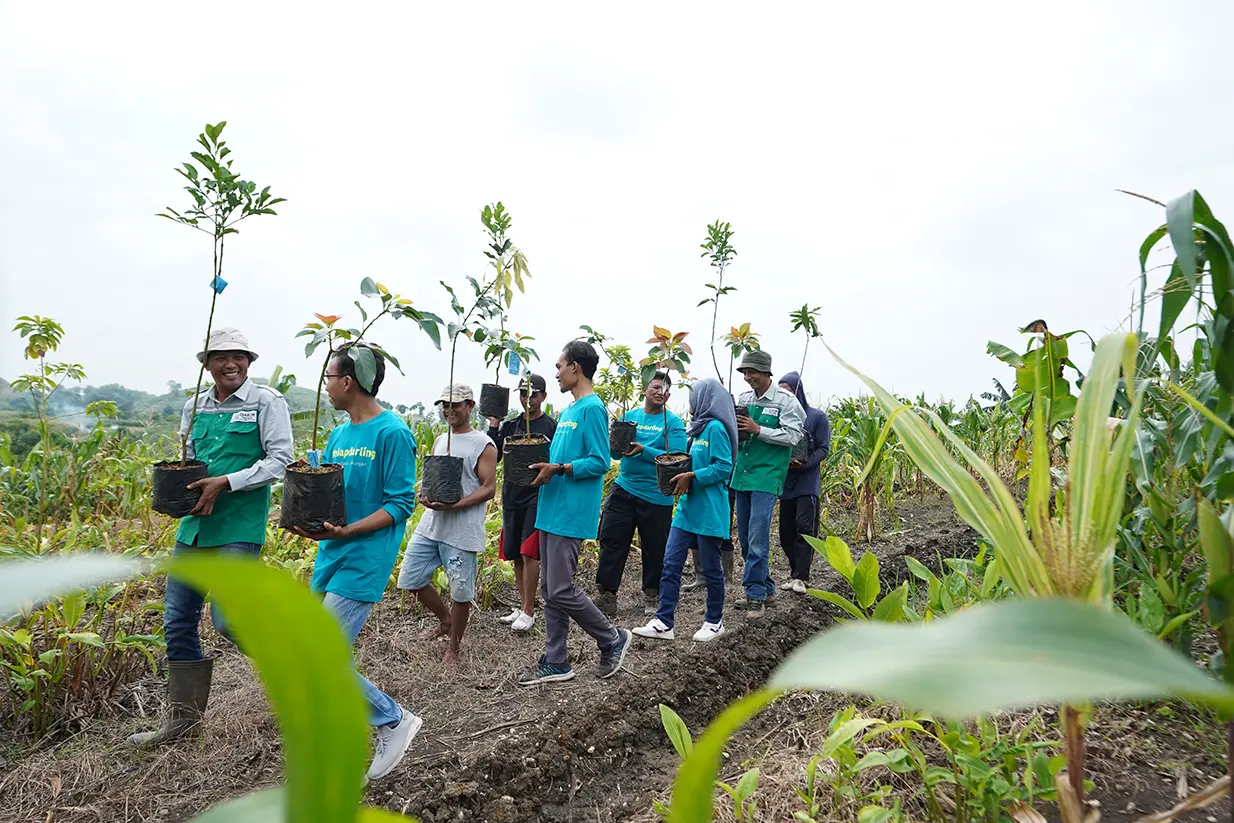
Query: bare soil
[585, 750]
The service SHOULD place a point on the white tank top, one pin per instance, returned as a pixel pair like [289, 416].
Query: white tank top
[463, 529]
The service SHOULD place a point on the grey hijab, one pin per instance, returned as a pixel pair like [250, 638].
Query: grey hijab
[709, 400]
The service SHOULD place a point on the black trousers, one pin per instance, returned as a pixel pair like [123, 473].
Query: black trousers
[798, 517]
[623, 513]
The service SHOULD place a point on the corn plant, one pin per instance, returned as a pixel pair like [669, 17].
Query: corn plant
[221, 200]
[1058, 641]
[745, 807]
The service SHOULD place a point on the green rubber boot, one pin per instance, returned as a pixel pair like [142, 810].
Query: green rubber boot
[188, 690]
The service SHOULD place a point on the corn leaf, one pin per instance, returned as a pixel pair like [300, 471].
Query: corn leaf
[996, 657]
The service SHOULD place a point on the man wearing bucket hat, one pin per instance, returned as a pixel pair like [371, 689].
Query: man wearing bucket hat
[520, 540]
[774, 421]
[451, 535]
[242, 432]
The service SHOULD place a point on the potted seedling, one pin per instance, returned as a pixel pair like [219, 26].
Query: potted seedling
[669, 352]
[740, 339]
[443, 474]
[221, 199]
[523, 451]
[805, 319]
[615, 387]
[720, 250]
[313, 491]
[503, 256]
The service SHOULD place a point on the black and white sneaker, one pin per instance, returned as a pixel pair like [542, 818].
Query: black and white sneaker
[655, 628]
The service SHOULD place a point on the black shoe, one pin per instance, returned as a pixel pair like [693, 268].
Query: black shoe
[607, 603]
[612, 658]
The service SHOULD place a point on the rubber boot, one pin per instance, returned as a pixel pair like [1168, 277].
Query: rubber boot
[726, 563]
[698, 577]
[188, 691]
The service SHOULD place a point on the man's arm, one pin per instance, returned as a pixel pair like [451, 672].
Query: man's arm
[274, 428]
[186, 414]
[498, 435]
[791, 428]
[822, 441]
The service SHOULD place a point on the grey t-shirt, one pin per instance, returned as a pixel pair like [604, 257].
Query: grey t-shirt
[462, 528]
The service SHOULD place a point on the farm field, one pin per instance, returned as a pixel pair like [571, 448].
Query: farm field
[585, 750]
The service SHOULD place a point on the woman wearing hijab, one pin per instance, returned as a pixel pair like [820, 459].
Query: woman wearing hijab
[702, 518]
[799, 500]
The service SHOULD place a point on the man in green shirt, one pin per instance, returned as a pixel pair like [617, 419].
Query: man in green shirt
[242, 432]
[774, 421]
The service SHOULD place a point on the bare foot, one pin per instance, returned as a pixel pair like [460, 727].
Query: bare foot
[450, 658]
[442, 630]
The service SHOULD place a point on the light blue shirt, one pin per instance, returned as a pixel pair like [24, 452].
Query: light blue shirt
[704, 509]
[570, 505]
[379, 472]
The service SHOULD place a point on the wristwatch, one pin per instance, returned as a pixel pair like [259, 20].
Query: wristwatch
[561, 469]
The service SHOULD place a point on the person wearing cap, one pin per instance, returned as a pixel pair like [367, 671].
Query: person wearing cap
[799, 500]
[451, 535]
[774, 423]
[520, 541]
[636, 502]
[242, 432]
[571, 485]
[378, 455]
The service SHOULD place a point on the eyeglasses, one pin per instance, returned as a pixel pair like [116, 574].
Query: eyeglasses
[334, 375]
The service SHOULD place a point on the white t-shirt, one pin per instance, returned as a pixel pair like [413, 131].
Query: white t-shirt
[463, 528]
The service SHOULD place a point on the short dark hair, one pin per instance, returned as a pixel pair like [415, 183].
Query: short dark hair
[581, 353]
[663, 377]
[347, 366]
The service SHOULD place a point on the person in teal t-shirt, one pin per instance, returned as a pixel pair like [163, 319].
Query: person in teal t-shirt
[636, 502]
[571, 485]
[354, 562]
[702, 517]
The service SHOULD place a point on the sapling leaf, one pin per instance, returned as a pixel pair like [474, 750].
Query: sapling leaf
[838, 600]
[865, 580]
[366, 366]
[678, 732]
[368, 287]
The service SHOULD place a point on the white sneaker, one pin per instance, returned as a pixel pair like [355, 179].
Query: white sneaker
[523, 623]
[511, 617]
[392, 744]
[655, 628]
[787, 586]
[709, 631]
[798, 586]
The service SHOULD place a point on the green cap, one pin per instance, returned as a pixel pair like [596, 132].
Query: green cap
[757, 360]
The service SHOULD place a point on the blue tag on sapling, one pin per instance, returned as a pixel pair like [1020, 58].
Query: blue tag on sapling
[621, 370]
[314, 458]
[218, 284]
[516, 365]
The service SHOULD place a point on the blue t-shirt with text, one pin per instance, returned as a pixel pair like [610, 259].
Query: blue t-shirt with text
[570, 505]
[638, 473]
[379, 472]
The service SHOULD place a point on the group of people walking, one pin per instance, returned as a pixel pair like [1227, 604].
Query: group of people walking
[740, 465]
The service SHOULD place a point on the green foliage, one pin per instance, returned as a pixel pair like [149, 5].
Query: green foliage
[669, 352]
[863, 578]
[303, 660]
[805, 319]
[615, 382]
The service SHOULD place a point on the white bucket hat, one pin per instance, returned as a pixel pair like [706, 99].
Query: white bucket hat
[227, 340]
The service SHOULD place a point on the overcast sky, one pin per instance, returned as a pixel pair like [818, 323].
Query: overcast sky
[932, 175]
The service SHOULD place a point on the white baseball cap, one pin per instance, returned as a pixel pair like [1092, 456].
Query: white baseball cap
[227, 340]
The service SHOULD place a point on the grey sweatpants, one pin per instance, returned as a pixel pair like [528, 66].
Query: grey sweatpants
[564, 600]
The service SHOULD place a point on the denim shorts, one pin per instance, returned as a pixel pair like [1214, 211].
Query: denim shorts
[424, 557]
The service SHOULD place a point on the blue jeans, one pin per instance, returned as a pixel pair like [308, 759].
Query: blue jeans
[680, 542]
[351, 614]
[754, 510]
[182, 605]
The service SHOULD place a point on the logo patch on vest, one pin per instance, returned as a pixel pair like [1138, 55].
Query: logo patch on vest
[245, 416]
[771, 411]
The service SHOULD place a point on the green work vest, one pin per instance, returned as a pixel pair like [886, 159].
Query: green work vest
[761, 466]
[227, 442]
